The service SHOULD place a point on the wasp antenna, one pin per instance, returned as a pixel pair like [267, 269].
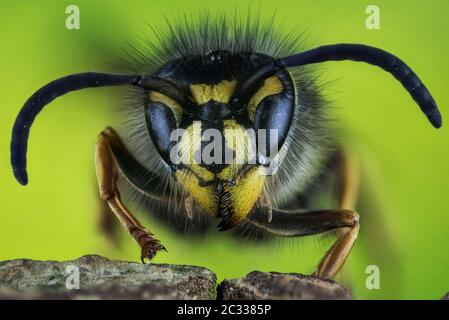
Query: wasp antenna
[377, 57]
[44, 96]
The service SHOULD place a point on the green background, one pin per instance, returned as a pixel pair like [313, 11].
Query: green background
[404, 226]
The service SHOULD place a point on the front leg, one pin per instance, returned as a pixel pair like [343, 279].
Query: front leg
[107, 172]
[303, 223]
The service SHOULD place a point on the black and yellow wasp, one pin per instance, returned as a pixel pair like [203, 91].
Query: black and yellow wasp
[227, 77]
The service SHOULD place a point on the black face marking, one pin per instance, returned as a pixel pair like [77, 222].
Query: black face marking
[214, 111]
[213, 167]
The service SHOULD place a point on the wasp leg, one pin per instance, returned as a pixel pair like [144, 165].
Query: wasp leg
[347, 194]
[295, 224]
[107, 223]
[347, 185]
[107, 172]
[346, 188]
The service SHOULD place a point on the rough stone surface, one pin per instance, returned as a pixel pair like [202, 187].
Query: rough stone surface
[273, 286]
[101, 278]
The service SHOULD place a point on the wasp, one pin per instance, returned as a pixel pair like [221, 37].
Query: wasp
[211, 77]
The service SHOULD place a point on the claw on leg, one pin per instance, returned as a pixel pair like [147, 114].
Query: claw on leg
[148, 244]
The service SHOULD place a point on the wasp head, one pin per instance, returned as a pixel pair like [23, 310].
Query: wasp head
[217, 132]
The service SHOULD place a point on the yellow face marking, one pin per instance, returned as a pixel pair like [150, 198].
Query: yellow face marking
[244, 194]
[190, 143]
[220, 92]
[237, 139]
[247, 190]
[189, 150]
[229, 172]
[202, 172]
[271, 85]
[204, 196]
[248, 187]
[169, 102]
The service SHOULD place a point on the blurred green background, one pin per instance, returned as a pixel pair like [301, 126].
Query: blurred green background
[405, 175]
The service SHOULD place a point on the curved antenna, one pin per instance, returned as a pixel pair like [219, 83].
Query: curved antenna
[353, 52]
[44, 96]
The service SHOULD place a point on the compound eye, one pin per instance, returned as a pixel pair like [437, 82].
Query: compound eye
[163, 115]
[274, 114]
[271, 110]
[174, 106]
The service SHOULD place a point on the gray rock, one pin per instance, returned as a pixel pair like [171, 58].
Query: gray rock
[273, 286]
[101, 278]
